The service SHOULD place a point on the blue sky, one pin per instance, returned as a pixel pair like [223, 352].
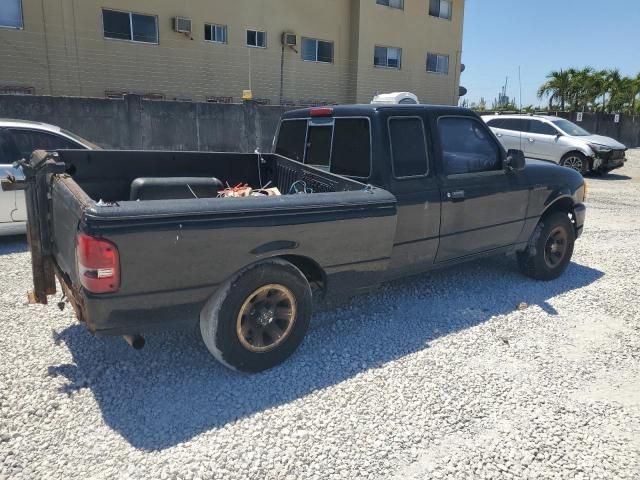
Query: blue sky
[545, 35]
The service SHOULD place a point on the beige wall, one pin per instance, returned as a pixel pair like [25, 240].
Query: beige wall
[62, 51]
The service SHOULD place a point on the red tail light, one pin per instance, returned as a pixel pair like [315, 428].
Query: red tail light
[98, 264]
[321, 112]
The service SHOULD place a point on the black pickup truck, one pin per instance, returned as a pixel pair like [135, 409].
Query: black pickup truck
[141, 241]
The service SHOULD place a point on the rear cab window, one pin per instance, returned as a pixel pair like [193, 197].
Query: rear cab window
[341, 145]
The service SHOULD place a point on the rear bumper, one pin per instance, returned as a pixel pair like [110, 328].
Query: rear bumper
[579, 215]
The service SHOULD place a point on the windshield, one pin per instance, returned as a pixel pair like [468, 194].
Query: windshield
[570, 128]
[78, 138]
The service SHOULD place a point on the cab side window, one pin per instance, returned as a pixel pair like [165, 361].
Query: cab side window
[467, 147]
[409, 156]
[291, 139]
[29, 140]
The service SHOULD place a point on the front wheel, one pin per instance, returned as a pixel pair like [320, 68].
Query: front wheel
[576, 161]
[550, 248]
[257, 320]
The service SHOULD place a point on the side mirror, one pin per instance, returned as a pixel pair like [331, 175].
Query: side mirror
[515, 160]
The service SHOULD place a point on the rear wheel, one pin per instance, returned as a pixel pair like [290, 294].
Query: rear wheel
[258, 319]
[550, 248]
[576, 161]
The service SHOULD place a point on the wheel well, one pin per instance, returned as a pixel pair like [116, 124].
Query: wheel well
[565, 205]
[313, 272]
[587, 158]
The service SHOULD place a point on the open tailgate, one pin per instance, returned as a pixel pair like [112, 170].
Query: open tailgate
[38, 171]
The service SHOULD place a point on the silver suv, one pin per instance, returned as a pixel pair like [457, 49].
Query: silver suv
[558, 140]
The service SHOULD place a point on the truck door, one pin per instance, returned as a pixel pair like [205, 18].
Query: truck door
[413, 181]
[483, 205]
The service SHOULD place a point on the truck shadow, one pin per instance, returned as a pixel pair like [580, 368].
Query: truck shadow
[609, 176]
[174, 390]
[13, 244]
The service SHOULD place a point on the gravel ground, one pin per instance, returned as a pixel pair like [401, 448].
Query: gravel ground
[436, 377]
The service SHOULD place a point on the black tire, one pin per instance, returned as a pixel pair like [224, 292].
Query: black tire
[222, 326]
[540, 260]
[576, 161]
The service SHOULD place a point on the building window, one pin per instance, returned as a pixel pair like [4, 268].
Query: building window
[440, 8]
[215, 33]
[392, 3]
[134, 27]
[16, 90]
[317, 50]
[388, 57]
[256, 38]
[438, 63]
[219, 99]
[11, 13]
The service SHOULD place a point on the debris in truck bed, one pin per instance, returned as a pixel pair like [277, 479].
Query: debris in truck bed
[244, 190]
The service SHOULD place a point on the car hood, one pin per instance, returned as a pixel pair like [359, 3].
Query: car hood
[606, 141]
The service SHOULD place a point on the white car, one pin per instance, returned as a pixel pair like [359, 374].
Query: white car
[558, 140]
[18, 138]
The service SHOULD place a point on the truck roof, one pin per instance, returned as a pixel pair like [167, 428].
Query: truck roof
[370, 109]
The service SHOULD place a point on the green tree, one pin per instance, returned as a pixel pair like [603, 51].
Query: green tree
[557, 87]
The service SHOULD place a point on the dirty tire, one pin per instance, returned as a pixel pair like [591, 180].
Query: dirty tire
[219, 319]
[539, 260]
[576, 161]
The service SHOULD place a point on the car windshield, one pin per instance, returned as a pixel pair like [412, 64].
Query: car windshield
[570, 128]
[79, 139]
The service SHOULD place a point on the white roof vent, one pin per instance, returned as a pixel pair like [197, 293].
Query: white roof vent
[395, 98]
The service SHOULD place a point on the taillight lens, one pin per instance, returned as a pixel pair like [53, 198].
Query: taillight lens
[98, 264]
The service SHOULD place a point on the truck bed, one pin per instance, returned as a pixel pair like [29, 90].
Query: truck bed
[174, 252]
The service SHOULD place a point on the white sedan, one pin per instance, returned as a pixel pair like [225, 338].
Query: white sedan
[18, 138]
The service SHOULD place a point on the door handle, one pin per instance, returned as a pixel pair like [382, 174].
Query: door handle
[456, 196]
[531, 140]
[498, 135]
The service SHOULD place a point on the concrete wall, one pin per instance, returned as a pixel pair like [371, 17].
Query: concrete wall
[62, 50]
[134, 123]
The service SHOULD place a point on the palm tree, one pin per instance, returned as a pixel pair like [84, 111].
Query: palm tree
[614, 87]
[582, 88]
[599, 86]
[635, 91]
[557, 87]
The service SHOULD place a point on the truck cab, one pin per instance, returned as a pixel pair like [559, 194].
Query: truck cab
[458, 195]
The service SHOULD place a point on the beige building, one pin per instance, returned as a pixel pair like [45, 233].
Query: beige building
[345, 50]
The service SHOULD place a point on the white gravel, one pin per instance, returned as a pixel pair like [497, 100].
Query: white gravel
[434, 377]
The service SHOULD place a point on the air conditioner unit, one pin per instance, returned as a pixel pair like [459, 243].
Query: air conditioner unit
[289, 39]
[182, 25]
